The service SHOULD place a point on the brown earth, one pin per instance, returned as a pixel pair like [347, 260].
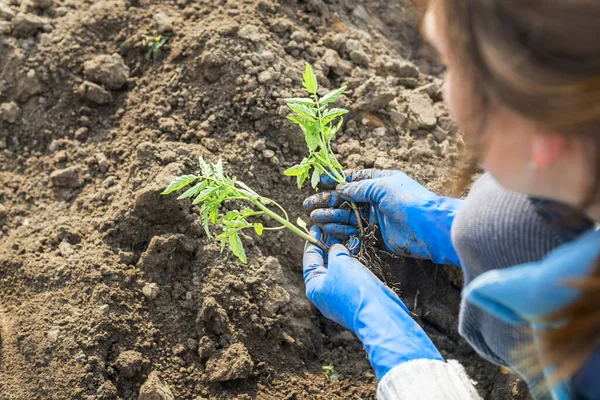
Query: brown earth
[109, 290]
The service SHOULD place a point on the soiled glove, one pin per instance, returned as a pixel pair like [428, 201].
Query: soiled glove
[529, 293]
[348, 293]
[412, 220]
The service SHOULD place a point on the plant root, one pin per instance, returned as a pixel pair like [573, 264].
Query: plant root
[370, 256]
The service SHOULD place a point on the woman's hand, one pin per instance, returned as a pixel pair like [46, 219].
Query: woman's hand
[412, 220]
[348, 293]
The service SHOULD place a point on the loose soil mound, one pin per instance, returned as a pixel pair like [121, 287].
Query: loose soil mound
[109, 290]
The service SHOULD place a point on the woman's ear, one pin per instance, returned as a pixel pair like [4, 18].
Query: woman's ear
[546, 149]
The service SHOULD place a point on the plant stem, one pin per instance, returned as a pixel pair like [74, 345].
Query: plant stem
[290, 226]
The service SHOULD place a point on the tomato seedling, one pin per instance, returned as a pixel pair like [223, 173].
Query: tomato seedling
[319, 125]
[213, 187]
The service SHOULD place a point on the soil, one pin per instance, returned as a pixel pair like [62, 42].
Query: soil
[109, 290]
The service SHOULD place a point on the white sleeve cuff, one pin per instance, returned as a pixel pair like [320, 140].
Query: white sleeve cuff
[427, 380]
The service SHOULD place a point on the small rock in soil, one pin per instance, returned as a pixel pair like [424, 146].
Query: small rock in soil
[94, 93]
[233, 363]
[107, 391]
[10, 112]
[155, 389]
[211, 63]
[28, 85]
[129, 363]
[268, 153]
[102, 161]
[431, 89]
[214, 315]
[439, 134]
[259, 145]
[41, 3]
[3, 212]
[360, 58]
[352, 45]
[26, 25]
[374, 94]
[421, 108]
[52, 335]
[163, 22]
[206, 347]
[151, 290]
[65, 248]
[250, 32]
[6, 13]
[65, 178]
[398, 68]
[332, 60]
[108, 70]
[5, 28]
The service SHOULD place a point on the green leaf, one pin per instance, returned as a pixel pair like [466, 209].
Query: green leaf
[334, 113]
[296, 170]
[301, 100]
[179, 182]
[338, 127]
[214, 213]
[310, 80]
[218, 169]
[315, 179]
[191, 192]
[204, 215]
[301, 179]
[258, 228]
[311, 134]
[295, 119]
[303, 111]
[235, 243]
[203, 195]
[332, 96]
[205, 168]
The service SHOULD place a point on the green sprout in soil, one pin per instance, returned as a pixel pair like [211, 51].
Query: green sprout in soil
[330, 373]
[154, 44]
[320, 124]
[213, 187]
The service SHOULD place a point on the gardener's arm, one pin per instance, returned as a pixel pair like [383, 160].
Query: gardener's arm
[404, 359]
[413, 221]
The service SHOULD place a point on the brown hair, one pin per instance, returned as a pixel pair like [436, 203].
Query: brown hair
[540, 58]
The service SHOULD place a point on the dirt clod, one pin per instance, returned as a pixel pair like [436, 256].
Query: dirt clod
[230, 364]
[155, 389]
[107, 70]
[94, 93]
[151, 291]
[25, 25]
[6, 12]
[65, 178]
[129, 363]
[10, 112]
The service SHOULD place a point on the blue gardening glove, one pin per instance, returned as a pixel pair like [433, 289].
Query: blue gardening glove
[349, 294]
[529, 293]
[412, 220]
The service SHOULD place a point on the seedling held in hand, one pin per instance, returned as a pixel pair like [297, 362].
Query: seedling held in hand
[213, 187]
[319, 124]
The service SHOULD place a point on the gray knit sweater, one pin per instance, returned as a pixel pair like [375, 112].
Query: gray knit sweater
[495, 229]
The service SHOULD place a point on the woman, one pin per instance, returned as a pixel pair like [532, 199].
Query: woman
[523, 82]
